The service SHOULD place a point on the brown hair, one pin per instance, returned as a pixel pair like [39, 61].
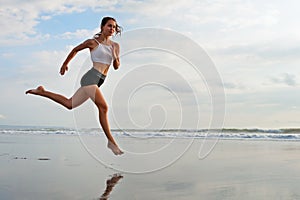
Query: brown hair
[105, 20]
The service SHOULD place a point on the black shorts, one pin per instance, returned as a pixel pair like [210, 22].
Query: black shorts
[92, 77]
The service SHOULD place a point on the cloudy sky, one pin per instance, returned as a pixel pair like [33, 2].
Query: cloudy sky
[254, 46]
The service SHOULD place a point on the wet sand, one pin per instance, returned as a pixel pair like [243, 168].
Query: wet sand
[60, 167]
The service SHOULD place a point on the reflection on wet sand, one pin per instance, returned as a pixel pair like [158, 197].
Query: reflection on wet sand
[110, 184]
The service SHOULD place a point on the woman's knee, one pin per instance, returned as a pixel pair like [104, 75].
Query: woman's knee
[69, 107]
[69, 104]
[103, 108]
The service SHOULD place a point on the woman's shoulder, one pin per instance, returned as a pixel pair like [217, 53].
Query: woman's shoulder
[115, 44]
[91, 42]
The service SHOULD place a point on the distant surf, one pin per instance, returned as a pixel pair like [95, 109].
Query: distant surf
[292, 134]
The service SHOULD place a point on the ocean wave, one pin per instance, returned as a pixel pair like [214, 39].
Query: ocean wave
[38, 131]
[232, 133]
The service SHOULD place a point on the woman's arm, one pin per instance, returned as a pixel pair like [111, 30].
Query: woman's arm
[116, 54]
[86, 44]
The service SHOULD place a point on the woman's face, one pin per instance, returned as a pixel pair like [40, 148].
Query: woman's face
[109, 28]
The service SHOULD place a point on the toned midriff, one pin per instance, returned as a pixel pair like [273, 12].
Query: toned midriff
[103, 68]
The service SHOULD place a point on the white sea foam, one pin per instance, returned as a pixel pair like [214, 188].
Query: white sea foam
[233, 134]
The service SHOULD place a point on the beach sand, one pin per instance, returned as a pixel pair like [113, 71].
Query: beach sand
[60, 167]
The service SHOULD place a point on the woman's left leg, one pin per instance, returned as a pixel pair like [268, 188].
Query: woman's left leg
[95, 94]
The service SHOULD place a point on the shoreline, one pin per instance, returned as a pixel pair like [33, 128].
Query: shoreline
[224, 134]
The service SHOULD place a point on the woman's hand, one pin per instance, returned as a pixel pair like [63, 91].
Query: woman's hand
[63, 69]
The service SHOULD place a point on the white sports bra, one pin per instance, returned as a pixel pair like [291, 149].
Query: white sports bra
[102, 54]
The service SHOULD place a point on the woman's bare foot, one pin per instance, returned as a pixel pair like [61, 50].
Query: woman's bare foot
[39, 90]
[115, 149]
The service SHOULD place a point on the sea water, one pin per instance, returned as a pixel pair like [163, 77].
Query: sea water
[232, 134]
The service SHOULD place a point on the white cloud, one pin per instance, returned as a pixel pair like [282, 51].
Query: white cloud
[286, 79]
[19, 22]
[2, 116]
[80, 33]
[18, 19]
[229, 15]
[7, 55]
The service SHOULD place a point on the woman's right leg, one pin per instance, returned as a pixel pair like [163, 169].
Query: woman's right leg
[77, 99]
